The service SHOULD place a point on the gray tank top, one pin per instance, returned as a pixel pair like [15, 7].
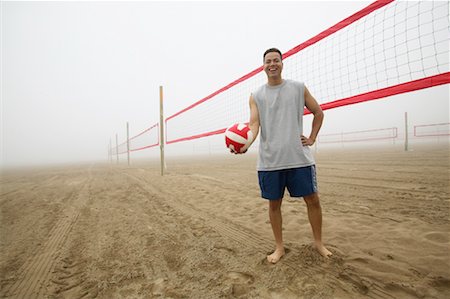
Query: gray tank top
[281, 125]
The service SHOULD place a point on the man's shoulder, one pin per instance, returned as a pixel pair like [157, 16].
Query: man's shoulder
[258, 90]
[295, 83]
[261, 87]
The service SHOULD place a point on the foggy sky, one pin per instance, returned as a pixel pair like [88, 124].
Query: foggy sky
[73, 73]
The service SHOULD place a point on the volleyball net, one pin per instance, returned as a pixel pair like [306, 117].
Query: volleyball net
[387, 48]
[439, 130]
[432, 130]
[146, 139]
[359, 136]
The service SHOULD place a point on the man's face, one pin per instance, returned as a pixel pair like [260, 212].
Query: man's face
[273, 65]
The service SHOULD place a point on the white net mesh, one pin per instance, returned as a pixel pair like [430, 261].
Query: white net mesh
[397, 43]
[146, 139]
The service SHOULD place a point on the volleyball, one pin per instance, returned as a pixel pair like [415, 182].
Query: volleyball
[238, 137]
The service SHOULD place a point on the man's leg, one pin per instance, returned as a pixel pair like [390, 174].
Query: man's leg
[315, 219]
[276, 221]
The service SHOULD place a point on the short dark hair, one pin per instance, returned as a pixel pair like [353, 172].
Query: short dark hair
[272, 50]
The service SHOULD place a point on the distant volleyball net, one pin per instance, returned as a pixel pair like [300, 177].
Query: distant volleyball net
[146, 139]
[432, 130]
[387, 48]
[359, 136]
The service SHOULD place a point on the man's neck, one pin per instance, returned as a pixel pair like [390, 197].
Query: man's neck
[274, 81]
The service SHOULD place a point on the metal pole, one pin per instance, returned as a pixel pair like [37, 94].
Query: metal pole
[128, 144]
[406, 131]
[110, 151]
[117, 149]
[161, 129]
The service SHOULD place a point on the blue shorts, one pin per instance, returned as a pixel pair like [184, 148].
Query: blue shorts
[299, 182]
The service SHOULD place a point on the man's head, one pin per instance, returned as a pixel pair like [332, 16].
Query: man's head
[271, 50]
[273, 64]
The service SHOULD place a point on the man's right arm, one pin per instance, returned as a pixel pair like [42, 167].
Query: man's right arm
[254, 118]
[253, 123]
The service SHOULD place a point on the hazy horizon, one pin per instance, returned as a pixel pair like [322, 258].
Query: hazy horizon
[74, 73]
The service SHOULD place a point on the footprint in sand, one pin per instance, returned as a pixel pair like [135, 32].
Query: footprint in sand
[240, 282]
[224, 249]
[437, 237]
[441, 282]
[159, 287]
[281, 294]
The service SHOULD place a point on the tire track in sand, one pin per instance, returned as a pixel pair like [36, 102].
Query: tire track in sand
[343, 276]
[36, 271]
[225, 228]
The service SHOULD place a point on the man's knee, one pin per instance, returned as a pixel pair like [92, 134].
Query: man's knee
[312, 200]
[275, 205]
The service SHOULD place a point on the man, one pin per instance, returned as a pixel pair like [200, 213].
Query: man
[285, 159]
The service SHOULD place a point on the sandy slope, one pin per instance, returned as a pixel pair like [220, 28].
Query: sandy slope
[202, 230]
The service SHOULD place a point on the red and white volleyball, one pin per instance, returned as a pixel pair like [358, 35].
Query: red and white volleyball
[238, 137]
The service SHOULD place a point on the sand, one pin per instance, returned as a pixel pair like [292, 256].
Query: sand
[202, 230]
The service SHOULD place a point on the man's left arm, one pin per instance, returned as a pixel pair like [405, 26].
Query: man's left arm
[314, 107]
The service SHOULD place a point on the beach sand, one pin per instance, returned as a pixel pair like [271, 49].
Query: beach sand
[202, 230]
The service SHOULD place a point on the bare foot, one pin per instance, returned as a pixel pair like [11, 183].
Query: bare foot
[323, 250]
[275, 256]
